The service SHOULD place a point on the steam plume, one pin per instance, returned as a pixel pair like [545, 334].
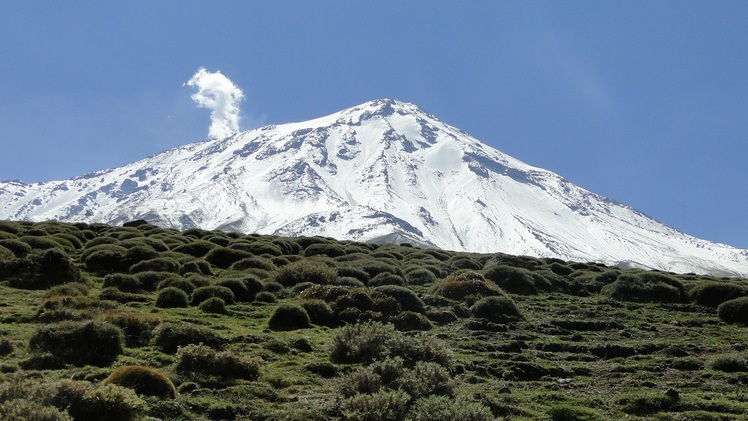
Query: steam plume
[217, 93]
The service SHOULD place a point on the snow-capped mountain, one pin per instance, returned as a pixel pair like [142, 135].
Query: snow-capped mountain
[381, 171]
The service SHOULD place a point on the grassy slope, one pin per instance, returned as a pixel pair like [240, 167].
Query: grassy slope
[578, 354]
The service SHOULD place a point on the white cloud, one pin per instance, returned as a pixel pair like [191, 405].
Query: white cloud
[217, 93]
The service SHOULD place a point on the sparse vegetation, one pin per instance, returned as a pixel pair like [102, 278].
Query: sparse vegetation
[108, 320]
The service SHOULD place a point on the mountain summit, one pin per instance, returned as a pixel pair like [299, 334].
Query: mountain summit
[383, 171]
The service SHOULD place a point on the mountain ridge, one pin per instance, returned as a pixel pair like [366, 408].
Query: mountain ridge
[383, 169]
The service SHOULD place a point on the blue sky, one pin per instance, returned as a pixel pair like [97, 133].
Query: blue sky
[645, 102]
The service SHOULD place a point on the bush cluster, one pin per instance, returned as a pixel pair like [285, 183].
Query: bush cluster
[80, 343]
[201, 360]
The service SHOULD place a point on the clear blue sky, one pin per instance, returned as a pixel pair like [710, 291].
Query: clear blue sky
[645, 102]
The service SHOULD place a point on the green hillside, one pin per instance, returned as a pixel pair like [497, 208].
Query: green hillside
[139, 322]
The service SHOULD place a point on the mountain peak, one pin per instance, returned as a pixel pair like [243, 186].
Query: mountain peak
[378, 171]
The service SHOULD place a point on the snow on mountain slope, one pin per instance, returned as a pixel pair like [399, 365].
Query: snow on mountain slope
[382, 171]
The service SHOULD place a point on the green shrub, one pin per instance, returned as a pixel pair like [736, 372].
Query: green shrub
[41, 243]
[407, 299]
[253, 263]
[6, 346]
[496, 309]
[203, 293]
[265, 297]
[214, 305]
[113, 294]
[109, 402]
[30, 410]
[385, 405]
[646, 403]
[92, 342]
[511, 279]
[105, 258]
[158, 264]
[197, 248]
[729, 363]
[734, 311]
[150, 280]
[351, 272]
[409, 320]
[319, 312]
[712, 294]
[172, 297]
[180, 283]
[461, 285]
[386, 278]
[289, 317]
[168, 337]
[646, 287]
[437, 407]
[420, 276]
[239, 288]
[40, 269]
[143, 380]
[361, 342]
[305, 271]
[18, 247]
[223, 257]
[137, 327]
[200, 360]
[123, 282]
[199, 266]
[323, 249]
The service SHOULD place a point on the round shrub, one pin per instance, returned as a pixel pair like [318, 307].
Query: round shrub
[464, 284]
[139, 253]
[199, 266]
[319, 312]
[144, 381]
[40, 269]
[213, 305]
[729, 363]
[386, 278]
[511, 279]
[407, 299]
[265, 248]
[646, 287]
[123, 282]
[150, 280]
[351, 272]
[420, 276]
[197, 248]
[199, 361]
[253, 263]
[92, 342]
[384, 405]
[734, 311]
[496, 309]
[436, 407]
[305, 271]
[223, 257]
[159, 264]
[137, 327]
[41, 243]
[203, 293]
[168, 337]
[239, 288]
[322, 249]
[18, 247]
[712, 294]
[265, 297]
[289, 317]
[181, 283]
[409, 320]
[172, 297]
